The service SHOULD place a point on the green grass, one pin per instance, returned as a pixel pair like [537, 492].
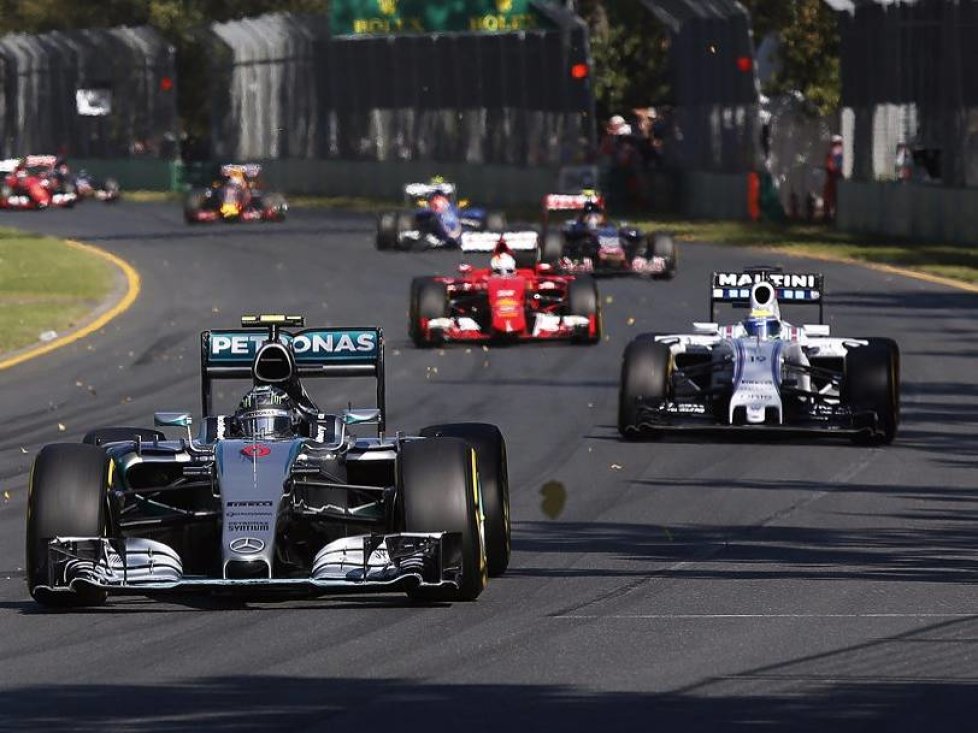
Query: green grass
[45, 285]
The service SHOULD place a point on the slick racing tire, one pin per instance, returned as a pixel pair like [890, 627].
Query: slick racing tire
[872, 382]
[645, 371]
[405, 222]
[192, 206]
[387, 230]
[490, 452]
[111, 189]
[101, 436]
[582, 300]
[275, 203]
[495, 221]
[429, 299]
[664, 246]
[438, 493]
[553, 247]
[66, 498]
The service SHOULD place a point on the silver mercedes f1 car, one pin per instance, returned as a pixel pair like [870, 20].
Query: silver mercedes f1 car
[762, 373]
[277, 497]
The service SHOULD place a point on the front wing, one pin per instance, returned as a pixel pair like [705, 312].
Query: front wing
[664, 415]
[363, 564]
[545, 328]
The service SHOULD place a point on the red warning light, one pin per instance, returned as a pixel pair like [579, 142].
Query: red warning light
[579, 71]
[166, 84]
[744, 63]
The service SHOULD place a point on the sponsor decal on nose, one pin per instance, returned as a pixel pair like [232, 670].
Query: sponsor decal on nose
[256, 450]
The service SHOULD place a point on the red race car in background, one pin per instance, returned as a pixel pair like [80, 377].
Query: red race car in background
[34, 182]
[503, 302]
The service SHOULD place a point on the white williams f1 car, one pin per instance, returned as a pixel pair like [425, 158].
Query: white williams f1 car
[277, 497]
[762, 373]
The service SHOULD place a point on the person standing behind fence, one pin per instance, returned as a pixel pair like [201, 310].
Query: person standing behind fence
[833, 172]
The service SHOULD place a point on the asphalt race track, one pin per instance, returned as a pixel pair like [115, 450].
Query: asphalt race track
[690, 584]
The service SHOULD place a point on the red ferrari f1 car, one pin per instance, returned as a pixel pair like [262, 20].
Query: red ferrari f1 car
[504, 303]
[35, 182]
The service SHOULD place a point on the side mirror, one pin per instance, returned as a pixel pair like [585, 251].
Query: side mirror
[172, 419]
[465, 267]
[706, 328]
[544, 267]
[816, 329]
[360, 416]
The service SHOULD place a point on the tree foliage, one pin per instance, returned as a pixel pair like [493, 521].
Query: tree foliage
[808, 53]
[629, 49]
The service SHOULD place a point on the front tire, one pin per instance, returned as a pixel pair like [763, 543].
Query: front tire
[438, 493]
[645, 374]
[872, 382]
[66, 498]
[490, 452]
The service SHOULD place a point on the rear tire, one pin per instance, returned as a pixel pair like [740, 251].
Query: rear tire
[645, 370]
[495, 221]
[553, 247]
[66, 498]
[387, 230]
[404, 223]
[275, 202]
[100, 436]
[429, 299]
[664, 246]
[583, 300]
[490, 452]
[192, 206]
[872, 382]
[438, 493]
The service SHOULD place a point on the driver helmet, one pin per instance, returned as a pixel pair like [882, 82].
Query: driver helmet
[237, 178]
[592, 216]
[265, 412]
[763, 324]
[502, 261]
[438, 202]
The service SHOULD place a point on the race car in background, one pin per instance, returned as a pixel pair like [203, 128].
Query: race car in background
[588, 243]
[278, 497]
[433, 218]
[236, 195]
[36, 182]
[510, 304]
[88, 186]
[762, 373]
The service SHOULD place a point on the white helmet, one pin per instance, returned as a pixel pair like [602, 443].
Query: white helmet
[503, 264]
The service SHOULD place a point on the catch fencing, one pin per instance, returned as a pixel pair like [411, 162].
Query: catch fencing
[910, 91]
[285, 88]
[88, 93]
[715, 86]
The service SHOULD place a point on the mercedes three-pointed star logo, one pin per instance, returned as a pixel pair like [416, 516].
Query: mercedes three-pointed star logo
[247, 545]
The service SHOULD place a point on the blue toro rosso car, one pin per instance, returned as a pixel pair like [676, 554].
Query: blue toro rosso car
[436, 219]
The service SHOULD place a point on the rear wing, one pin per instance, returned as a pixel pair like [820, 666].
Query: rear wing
[791, 288]
[249, 170]
[523, 241]
[571, 201]
[318, 352]
[424, 190]
[32, 161]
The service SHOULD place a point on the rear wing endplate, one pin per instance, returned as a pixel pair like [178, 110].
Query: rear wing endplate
[791, 288]
[318, 352]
